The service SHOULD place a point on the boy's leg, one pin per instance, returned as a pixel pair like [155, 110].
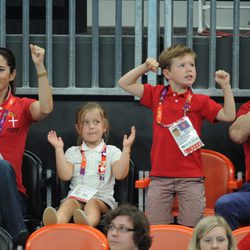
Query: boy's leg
[191, 200]
[159, 202]
[234, 208]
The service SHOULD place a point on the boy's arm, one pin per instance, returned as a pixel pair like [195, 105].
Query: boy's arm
[129, 83]
[239, 131]
[120, 168]
[228, 112]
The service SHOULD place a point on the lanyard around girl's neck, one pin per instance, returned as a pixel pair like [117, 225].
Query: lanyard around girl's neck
[101, 166]
[186, 106]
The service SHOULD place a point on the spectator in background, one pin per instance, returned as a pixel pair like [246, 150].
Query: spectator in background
[127, 228]
[235, 207]
[16, 116]
[212, 232]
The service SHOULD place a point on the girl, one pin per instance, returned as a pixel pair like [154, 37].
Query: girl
[212, 232]
[92, 168]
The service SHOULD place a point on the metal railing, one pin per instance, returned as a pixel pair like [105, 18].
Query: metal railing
[90, 63]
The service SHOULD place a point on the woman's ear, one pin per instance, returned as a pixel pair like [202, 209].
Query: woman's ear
[167, 74]
[13, 75]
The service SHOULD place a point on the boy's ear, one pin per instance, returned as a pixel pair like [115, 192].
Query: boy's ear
[166, 74]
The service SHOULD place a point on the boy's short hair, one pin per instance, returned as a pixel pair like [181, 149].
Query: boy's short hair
[177, 50]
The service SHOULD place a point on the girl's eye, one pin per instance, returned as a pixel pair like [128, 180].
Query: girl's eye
[85, 123]
[96, 122]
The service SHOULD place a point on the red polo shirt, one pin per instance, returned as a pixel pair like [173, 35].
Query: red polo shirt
[166, 158]
[14, 132]
[243, 110]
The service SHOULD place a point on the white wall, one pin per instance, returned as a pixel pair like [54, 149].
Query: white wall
[107, 13]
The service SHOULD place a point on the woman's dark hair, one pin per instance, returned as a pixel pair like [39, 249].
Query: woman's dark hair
[11, 62]
[141, 237]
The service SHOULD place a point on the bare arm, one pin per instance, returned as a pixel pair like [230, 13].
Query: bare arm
[228, 112]
[64, 168]
[239, 131]
[41, 108]
[120, 168]
[129, 81]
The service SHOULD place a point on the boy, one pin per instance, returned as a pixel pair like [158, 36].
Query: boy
[176, 161]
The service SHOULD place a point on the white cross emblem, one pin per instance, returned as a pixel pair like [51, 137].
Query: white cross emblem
[13, 120]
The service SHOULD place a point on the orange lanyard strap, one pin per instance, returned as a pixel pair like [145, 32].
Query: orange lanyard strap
[4, 112]
[186, 107]
[101, 166]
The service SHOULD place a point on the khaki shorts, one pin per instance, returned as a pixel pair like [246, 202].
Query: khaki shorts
[160, 198]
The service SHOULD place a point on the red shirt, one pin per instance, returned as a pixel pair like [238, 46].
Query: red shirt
[166, 158]
[14, 132]
[243, 110]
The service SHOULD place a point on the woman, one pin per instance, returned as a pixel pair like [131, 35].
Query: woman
[16, 116]
[212, 232]
[127, 228]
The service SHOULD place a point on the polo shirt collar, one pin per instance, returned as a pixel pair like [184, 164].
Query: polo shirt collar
[98, 148]
[171, 92]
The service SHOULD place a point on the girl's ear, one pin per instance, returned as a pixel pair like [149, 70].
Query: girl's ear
[13, 75]
[77, 128]
[167, 74]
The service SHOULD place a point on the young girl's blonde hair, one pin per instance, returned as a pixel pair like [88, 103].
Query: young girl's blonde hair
[205, 225]
[83, 110]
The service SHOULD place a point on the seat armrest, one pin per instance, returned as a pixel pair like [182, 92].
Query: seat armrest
[235, 184]
[143, 183]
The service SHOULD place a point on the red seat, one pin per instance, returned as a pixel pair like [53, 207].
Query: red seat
[67, 236]
[170, 237]
[240, 233]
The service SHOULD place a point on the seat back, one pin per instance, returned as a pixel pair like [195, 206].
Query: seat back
[170, 237]
[218, 171]
[33, 182]
[67, 236]
[5, 240]
[240, 233]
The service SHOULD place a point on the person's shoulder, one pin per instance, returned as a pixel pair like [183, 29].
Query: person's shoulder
[73, 149]
[112, 148]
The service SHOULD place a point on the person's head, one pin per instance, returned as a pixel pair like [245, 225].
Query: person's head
[129, 217]
[7, 69]
[178, 64]
[91, 124]
[212, 232]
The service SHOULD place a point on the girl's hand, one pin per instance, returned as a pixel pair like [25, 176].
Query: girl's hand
[152, 64]
[222, 78]
[128, 141]
[37, 54]
[55, 141]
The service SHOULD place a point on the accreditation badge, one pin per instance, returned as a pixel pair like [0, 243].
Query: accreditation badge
[185, 135]
[82, 193]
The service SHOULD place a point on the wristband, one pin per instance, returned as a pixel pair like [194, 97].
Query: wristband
[42, 74]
